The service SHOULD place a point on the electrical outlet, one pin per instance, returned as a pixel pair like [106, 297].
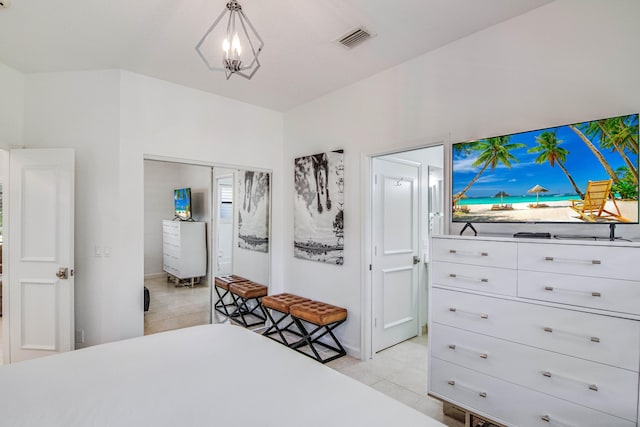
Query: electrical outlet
[79, 336]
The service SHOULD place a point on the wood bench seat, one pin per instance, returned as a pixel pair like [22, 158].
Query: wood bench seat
[325, 318]
[281, 303]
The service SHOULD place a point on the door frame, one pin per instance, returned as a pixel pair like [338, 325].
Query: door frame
[4, 176]
[212, 212]
[366, 203]
[216, 214]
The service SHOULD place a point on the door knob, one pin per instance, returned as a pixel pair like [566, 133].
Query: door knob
[416, 259]
[63, 273]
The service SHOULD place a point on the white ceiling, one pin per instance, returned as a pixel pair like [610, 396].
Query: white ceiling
[300, 61]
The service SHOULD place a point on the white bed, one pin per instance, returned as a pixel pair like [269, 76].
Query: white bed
[213, 375]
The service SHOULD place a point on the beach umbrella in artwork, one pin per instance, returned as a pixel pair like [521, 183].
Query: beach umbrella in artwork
[501, 194]
[537, 189]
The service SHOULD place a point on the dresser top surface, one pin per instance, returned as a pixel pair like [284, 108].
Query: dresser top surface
[554, 240]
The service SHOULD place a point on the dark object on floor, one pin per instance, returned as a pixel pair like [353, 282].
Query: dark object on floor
[147, 299]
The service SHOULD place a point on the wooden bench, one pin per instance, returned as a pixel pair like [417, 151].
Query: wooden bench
[223, 282]
[243, 293]
[281, 303]
[324, 318]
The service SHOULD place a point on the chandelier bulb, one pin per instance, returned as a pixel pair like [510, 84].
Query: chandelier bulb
[225, 47]
[235, 46]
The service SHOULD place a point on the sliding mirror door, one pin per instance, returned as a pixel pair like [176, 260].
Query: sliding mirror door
[242, 228]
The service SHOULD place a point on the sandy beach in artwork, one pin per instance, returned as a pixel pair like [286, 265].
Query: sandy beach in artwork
[559, 211]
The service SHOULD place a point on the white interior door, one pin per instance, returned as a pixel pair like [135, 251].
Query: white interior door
[395, 252]
[41, 223]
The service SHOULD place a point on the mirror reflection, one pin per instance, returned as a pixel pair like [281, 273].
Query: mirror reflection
[201, 222]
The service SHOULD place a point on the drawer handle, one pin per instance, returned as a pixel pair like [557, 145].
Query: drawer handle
[548, 374]
[588, 261]
[482, 315]
[480, 393]
[453, 251]
[482, 355]
[551, 289]
[550, 330]
[547, 418]
[458, 276]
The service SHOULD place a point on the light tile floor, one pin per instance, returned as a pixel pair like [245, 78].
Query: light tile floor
[399, 372]
[174, 307]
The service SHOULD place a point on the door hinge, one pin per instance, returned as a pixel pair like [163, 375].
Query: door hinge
[375, 179]
[370, 267]
[375, 322]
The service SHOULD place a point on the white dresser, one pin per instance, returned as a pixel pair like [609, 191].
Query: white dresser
[184, 249]
[536, 332]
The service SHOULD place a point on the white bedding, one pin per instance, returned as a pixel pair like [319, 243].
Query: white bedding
[213, 375]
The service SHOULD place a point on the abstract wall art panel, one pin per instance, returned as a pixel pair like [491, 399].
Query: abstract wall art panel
[319, 207]
[253, 210]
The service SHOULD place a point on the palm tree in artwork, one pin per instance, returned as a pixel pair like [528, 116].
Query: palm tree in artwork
[493, 151]
[550, 151]
[607, 167]
[616, 135]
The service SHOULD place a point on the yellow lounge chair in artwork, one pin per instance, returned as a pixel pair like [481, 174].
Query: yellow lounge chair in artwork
[595, 199]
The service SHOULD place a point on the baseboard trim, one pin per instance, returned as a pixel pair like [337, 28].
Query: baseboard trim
[155, 275]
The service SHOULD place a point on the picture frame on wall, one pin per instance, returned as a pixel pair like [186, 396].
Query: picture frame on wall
[319, 207]
[253, 210]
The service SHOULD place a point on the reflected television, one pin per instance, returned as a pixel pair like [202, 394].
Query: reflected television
[579, 173]
[182, 203]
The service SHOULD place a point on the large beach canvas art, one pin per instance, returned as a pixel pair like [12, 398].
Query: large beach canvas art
[253, 210]
[319, 207]
[584, 172]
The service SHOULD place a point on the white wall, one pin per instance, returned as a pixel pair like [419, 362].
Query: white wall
[80, 110]
[11, 107]
[112, 119]
[565, 62]
[164, 119]
[160, 179]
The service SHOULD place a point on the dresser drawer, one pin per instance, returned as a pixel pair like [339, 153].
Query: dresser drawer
[475, 252]
[601, 387]
[594, 292]
[485, 279]
[590, 261]
[605, 339]
[511, 404]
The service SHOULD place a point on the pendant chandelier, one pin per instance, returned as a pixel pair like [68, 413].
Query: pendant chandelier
[233, 48]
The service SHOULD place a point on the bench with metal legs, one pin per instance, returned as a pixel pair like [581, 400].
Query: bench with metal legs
[222, 290]
[281, 303]
[246, 297]
[324, 318]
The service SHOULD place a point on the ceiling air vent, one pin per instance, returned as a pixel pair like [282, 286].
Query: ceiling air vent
[354, 37]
